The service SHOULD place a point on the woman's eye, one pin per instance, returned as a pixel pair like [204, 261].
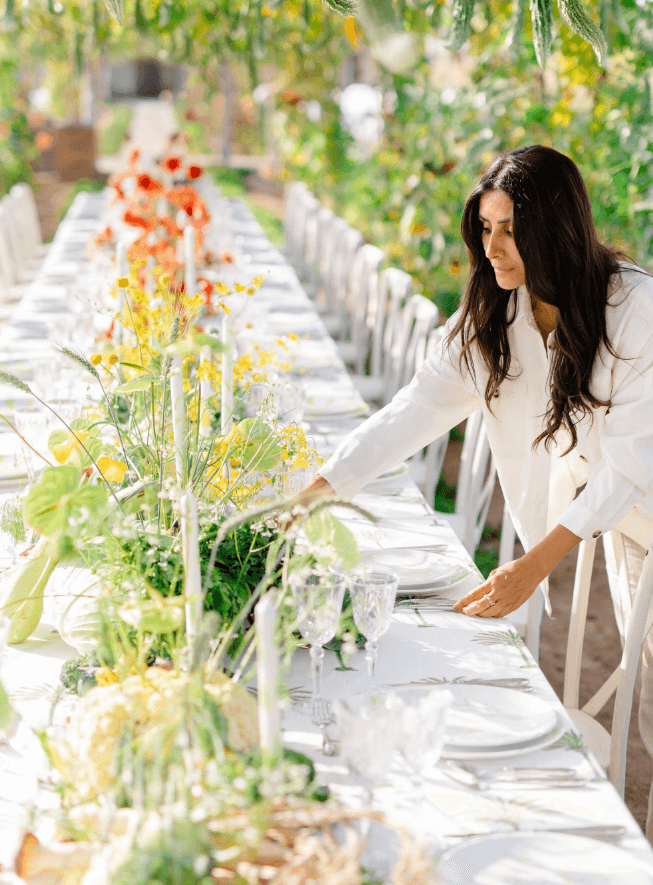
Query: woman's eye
[509, 232]
[487, 230]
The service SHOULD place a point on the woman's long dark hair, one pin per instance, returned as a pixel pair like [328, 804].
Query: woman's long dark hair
[565, 266]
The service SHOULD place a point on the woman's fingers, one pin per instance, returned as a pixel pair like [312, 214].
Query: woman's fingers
[508, 587]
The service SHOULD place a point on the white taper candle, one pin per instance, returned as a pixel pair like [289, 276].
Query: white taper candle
[227, 391]
[191, 554]
[190, 275]
[122, 270]
[178, 403]
[267, 675]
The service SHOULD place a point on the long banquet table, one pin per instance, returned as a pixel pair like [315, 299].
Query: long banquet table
[422, 647]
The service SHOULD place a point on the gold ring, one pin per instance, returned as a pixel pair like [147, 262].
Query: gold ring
[489, 599]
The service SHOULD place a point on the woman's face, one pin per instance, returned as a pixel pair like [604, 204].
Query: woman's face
[495, 213]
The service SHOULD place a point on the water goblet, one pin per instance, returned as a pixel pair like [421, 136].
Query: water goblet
[373, 593]
[318, 600]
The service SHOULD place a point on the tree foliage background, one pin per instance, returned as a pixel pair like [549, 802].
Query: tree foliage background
[445, 111]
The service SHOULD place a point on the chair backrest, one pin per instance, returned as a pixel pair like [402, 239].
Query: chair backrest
[345, 248]
[476, 479]
[303, 220]
[19, 250]
[393, 288]
[416, 319]
[292, 216]
[28, 214]
[8, 268]
[318, 248]
[637, 622]
[363, 297]
[431, 457]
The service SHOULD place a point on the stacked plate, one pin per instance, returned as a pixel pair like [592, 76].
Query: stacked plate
[494, 723]
[541, 858]
[421, 572]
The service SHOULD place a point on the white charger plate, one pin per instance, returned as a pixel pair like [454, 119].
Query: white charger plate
[541, 858]
[465, 754]
[484, 716]
[417, 569]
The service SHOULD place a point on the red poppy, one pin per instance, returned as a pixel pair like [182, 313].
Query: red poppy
[147, 183]
[171, 164]
[194, 172]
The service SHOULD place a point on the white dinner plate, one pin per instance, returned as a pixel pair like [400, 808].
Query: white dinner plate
[417, 569]
[484, 716]
[541, 858]
[465, 754]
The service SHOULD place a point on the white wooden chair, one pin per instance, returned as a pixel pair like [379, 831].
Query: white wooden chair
[345, 245]
[294, 218]
[409, 332]
[28, 218]
[609, 748]
[363, 299]
[393, 287]
[426, 465]
[476, 478]
[318, 252]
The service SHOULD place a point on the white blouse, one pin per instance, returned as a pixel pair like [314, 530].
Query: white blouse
[614, 455]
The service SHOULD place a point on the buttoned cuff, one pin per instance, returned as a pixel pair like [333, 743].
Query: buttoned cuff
[589, 525]
[341, 479]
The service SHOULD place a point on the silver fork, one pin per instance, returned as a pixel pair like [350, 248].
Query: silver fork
[322, 716]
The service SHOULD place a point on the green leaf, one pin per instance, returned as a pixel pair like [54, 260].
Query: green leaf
[138, 384]
[136, 366]
[57, 438]
[204, 340]
[262, 449]
[158, 615]
[325, 528]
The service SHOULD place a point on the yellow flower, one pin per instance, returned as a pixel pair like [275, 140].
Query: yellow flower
[226, 309]
[258, 281]
[122, 282]
[106, 676]
[222, 288]
[96, 359]
[350, 31]
[251, 290]
[64, 450]
[111, 470]
[238, 287]
[113, 359]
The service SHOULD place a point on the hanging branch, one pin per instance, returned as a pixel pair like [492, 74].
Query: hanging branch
[581, 24]
[116, 9]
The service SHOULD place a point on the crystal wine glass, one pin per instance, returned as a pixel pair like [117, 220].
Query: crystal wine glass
[318, 599]
[373, 593]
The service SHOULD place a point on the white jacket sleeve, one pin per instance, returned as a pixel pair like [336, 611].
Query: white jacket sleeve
[624, 474]
[437, 399]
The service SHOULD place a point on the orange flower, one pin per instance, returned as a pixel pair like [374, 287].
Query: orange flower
[133, 158]
[194, 172]
[147, 183]
[137, 220]
[44, 141]
[227, 258]
[171, 164]
[186, 198]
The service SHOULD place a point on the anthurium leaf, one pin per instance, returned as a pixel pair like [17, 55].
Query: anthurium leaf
[325, 528]
[136, 385]
[57, 438]
[44, 506]
[81, 424]
[157, 615]
[261, 449]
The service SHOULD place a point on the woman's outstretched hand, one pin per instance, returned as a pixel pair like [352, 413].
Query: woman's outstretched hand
[510, 585]
[507, 587]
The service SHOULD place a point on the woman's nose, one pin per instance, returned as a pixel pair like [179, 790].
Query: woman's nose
[492, 245]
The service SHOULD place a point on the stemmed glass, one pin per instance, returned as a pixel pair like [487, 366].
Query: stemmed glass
[373, 593]
[318, 600]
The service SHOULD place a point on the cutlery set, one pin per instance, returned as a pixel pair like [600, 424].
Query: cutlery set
[481, 780]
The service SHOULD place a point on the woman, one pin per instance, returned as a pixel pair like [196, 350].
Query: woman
[554, 342]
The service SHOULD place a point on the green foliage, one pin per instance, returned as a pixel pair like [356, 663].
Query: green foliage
[111, 135]
[11, 520]
[486, 561]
